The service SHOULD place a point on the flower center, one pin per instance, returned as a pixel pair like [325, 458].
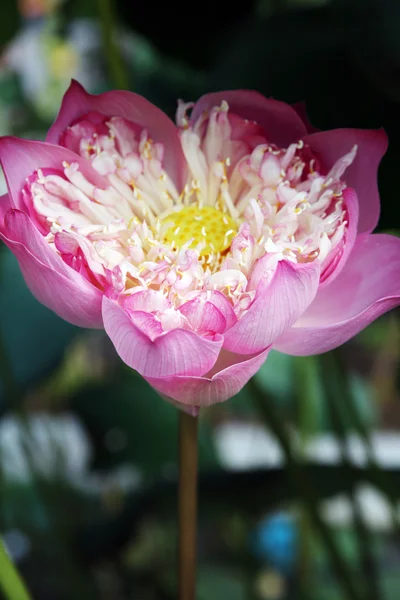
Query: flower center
[207, 225]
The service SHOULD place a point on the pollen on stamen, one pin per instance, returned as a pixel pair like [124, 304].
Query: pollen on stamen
[186, 224]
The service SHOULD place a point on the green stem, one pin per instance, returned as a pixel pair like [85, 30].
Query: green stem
[11, 582]
[306, 489]
[114, 59]
[188, 475]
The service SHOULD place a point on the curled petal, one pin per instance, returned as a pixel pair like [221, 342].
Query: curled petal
[18, 228]
[147, 323]
[128, 105]
[229, 375]
[362, 174]
[225, 308]
[50, 280]
[277, 306]
[339, 255]
[146, 300]
[280, 121]
[367, 287]
[203, 316]
[176, 352]
[20, 158]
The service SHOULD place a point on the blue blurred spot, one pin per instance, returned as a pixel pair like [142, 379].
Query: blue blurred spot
[275, 540]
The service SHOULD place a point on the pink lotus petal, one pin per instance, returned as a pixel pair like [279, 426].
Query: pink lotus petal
[203, 316]
[147, 323]
[18, 228]
[176, 352]
[232, 372]
[66, 243]
[92, 124]
[77, 102]
[362, 174]
[368, 286]
[276, 307]
[245, 136]
[224, 306]
[50, 280]
[20, 158]
[301, 109]
[146, 300]
[338, 257]
[280, 122]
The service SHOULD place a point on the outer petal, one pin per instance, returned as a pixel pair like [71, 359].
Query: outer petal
[77, 102]
[51, 281]
[177, 352]
[301, 109]
[341, 254]
[20, 158]
[368, 286]
[203, 391]
[362, 174]
[277, 307]
[280, 121]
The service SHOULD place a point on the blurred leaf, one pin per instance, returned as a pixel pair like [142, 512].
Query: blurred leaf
[9, 20]
[296, 381]
[375, 335]
[11, 582]
[252, 493]
[340, 393]
[363, 398]
[215, 583]
[33, 337]
[309, 397]
[275, 377]
[128, 422]
[90, 359]
[80, 9]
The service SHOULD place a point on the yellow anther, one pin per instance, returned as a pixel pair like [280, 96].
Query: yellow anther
[206, 225]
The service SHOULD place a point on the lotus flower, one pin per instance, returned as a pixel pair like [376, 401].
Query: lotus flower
[201, 246]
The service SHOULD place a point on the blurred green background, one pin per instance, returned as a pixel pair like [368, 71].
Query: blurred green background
[300, 473]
